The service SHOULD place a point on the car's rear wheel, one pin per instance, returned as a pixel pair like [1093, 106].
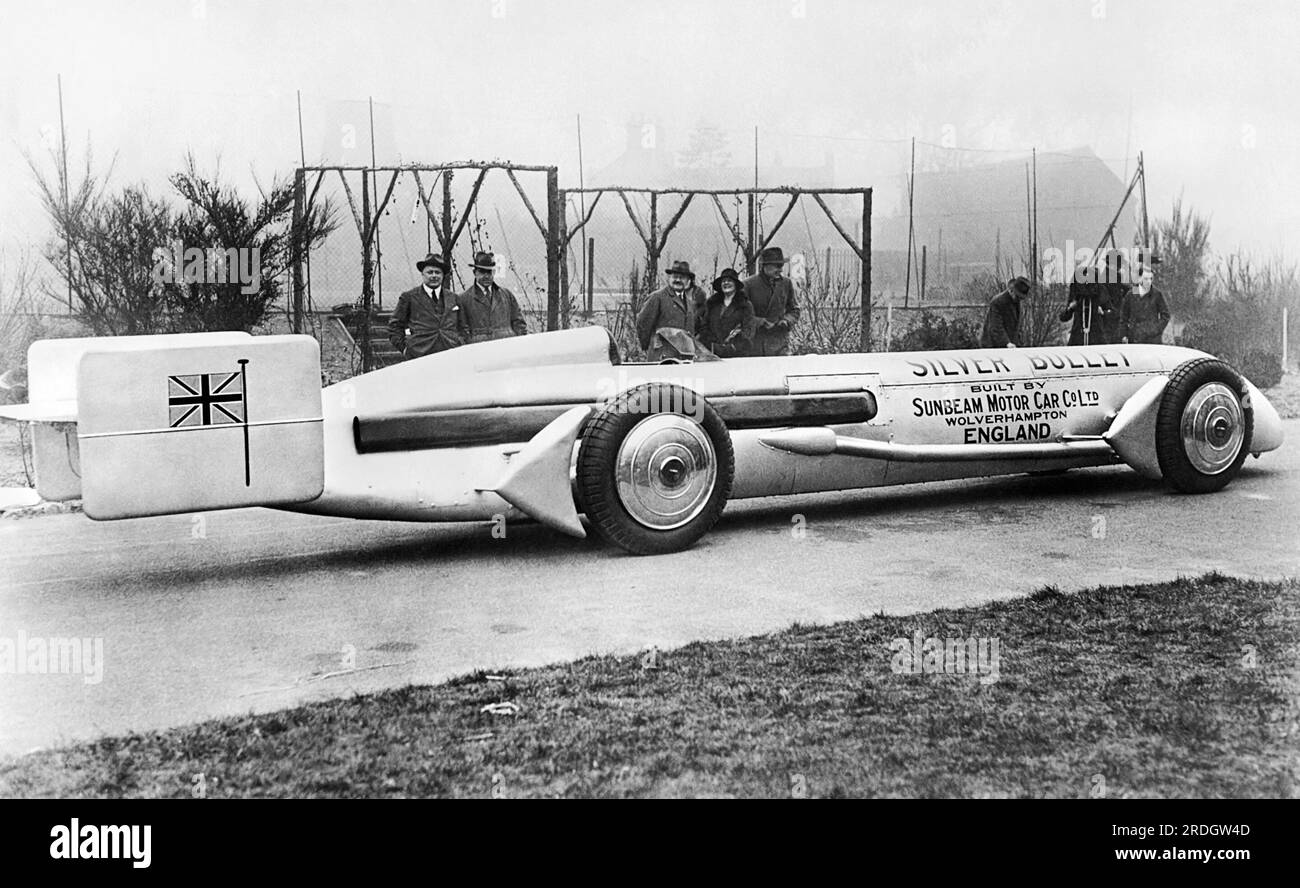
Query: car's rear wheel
[1203, 426]
[655, 469]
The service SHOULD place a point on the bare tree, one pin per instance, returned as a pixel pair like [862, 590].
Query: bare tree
[707, 148]
[103, 250]
[19, 323]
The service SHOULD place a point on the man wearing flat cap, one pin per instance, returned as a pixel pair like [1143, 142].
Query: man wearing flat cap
[491, 311]
[676, 307]
[427, 318]
[1002, 322]
[775, 308]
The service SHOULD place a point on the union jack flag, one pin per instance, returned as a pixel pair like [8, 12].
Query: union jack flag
[205, 399]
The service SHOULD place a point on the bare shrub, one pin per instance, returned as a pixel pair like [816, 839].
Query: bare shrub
[20, 325]
[830, 318]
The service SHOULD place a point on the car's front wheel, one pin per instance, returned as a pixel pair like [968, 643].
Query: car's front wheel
[655, 469]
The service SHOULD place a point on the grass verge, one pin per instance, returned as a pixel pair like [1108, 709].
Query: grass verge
[1174, 689]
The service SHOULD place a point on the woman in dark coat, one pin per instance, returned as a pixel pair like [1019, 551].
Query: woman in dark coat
[728, 323]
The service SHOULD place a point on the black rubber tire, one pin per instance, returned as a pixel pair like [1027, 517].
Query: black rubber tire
[1177, 469]
[598, 455]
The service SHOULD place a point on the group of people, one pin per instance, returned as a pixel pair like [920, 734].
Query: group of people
[1103, 312]
[740, 318]
[752, 316]
[431, 318]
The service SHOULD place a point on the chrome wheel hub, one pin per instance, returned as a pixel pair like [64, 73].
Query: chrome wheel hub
[1213, 428]
[666, 471]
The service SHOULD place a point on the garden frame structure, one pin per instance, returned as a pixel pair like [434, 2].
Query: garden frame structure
[750, 242]
[447, 226]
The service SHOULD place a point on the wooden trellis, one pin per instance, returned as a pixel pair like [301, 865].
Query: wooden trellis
[446, 225]
[748, 240]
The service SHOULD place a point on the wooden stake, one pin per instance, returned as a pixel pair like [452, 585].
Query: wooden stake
[379, 256]
[295, 246]
[63, 157]
[921, 296]
[911, 179]
[864, 257]
[554, 245]
[591, 274]
[582, 204]
[367, 273]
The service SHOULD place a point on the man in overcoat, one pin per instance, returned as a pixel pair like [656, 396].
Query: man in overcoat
[775, 308]
[676, 307]
[490, 310]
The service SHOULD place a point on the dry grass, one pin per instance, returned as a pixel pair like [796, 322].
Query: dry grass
[1134, 691]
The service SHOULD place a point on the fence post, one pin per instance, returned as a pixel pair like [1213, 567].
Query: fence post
[751, 234]
[889, 322]
[566, 247]
[554, 255]
[566, 250]
[652, 258]
[446, 221]
[920, 297]
[866, 271]
[299, 186]
[367, 273]
[591, 274]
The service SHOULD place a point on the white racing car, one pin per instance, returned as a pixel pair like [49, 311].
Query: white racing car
[552, 427]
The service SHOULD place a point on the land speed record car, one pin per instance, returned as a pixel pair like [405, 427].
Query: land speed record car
[553, 427]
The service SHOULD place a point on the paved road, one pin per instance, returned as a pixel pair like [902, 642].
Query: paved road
[258, 610]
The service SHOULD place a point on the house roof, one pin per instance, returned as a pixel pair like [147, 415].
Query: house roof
[970, 209]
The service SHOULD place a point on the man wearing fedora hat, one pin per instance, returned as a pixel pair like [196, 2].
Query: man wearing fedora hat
[774, 304]
[678, 306]
[491, 311]
[427, 318]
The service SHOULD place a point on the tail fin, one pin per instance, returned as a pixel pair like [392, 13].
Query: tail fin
[187, 428]
[52, 395]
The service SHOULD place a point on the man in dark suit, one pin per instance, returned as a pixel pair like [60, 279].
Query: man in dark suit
[490, 310]
[427, 318]
[775, 308]
[1002, 322]
[1145, 313]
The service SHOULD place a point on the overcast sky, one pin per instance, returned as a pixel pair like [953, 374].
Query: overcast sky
[1203, 88]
